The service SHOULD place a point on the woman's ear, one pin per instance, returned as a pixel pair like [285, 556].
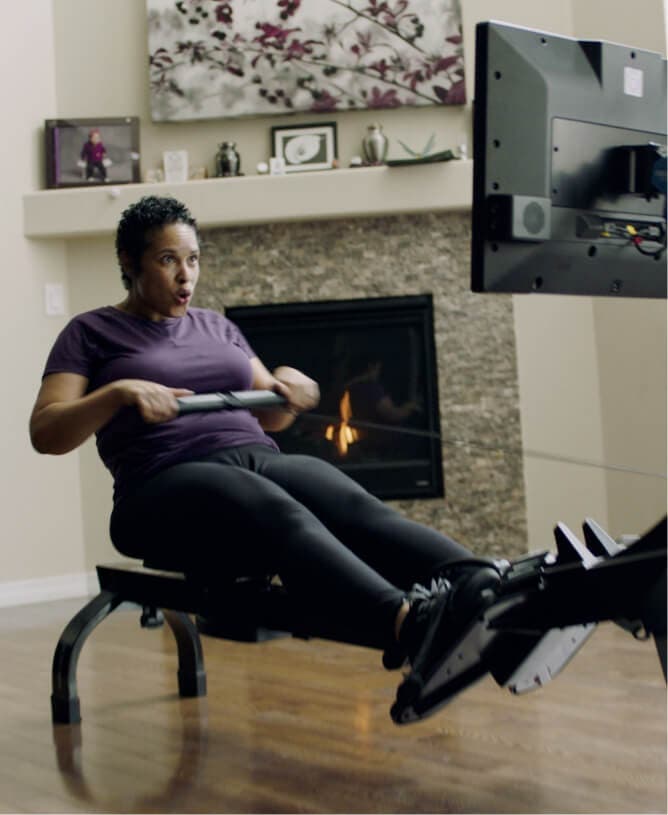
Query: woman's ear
[126, 264]
[127, 269]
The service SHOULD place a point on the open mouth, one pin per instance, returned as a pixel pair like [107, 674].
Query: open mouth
[183, 297]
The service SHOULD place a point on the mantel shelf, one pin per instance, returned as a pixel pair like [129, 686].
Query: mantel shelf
[344, 193]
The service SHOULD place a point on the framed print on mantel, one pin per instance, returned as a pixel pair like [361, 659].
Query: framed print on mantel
[305, 147]
[85, 152]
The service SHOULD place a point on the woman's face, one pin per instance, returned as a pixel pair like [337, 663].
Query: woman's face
[168, 274]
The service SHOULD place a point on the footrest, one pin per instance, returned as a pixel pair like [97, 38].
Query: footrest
[553, 651]
[546, 609]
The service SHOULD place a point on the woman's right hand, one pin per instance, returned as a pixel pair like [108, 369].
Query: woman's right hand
[155, 403]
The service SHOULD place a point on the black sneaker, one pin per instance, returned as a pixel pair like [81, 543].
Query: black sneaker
[421, 601]
[439, 624]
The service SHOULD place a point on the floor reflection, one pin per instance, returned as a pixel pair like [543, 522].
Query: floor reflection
[192, 739]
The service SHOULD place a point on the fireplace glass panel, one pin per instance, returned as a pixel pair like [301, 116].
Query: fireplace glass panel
[375, 362]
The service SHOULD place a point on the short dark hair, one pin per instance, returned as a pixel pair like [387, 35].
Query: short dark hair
[140, 219]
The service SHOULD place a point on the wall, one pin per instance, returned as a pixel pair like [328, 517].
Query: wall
[95, 40]
[593, 371]
[631, 339]
[578, 381]
[40, 498]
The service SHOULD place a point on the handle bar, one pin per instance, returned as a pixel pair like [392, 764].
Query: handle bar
[233, 400]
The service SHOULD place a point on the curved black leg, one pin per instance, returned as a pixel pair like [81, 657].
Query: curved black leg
[64, 697]
[191, 674]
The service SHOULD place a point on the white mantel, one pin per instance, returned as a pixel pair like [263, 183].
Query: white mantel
[343, 193]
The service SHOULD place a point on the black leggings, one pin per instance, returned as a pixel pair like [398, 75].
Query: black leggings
[345, 555]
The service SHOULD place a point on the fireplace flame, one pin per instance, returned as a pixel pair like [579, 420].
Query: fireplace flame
[342, 434]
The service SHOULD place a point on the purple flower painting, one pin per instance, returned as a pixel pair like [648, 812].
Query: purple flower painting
[210, 59]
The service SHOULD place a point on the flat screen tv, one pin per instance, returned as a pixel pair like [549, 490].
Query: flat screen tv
[569, 165]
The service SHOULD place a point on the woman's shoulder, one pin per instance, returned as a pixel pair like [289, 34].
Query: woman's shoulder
[209, 318]
[215, 323]
[205, 314]
[91, 318]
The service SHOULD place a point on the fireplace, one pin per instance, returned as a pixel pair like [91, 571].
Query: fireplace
[375, 361]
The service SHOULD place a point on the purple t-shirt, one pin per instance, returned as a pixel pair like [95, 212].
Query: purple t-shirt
[202, 351]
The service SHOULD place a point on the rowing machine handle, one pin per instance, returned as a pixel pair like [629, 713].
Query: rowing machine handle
[232, 400]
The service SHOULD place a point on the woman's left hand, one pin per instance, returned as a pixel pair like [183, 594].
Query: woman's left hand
[302, 392]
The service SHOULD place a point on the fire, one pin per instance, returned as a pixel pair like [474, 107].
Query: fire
[342, 434]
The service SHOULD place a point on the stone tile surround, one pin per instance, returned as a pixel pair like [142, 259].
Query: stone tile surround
[484, 507]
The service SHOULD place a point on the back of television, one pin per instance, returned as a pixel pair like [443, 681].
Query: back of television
[569, 166]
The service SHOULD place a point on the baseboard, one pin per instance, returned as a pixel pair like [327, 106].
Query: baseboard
[45, 589]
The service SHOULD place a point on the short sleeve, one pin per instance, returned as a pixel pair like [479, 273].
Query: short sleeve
[236, 337]
[72, 352]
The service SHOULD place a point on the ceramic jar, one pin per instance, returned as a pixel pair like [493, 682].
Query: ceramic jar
[228, 161]
[374, 145]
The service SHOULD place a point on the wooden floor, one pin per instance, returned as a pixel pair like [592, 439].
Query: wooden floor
[289, 726]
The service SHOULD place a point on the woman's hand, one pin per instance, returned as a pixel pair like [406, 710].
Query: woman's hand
[302, 392]
[155, 403]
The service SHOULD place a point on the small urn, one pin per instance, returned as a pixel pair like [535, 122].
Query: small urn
[374, 145]
[228, 161]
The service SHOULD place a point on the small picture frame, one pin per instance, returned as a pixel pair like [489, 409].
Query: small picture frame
[175, 165]
[88, 152]
[305, 147]
[277, 165]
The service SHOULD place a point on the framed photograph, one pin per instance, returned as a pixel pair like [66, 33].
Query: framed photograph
[84, 152]
[305, 147]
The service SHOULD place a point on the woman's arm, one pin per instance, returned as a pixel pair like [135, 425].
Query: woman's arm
[64, 415]
[301, 392]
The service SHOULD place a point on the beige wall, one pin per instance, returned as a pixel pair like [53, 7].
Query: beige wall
[593, 371]
[40, 498]
[578, 359]
[630, 337]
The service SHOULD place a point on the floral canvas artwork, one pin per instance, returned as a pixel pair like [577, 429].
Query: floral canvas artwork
[210, 59]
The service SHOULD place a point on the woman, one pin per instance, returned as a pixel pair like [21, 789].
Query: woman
[210, 492]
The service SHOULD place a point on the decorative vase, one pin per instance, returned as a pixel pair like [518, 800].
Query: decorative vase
[228, 161]
[374, 145]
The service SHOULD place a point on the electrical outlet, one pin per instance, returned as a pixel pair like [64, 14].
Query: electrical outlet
[54, 299]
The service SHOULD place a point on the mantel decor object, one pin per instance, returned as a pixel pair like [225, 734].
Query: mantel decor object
[82, 152]
[374, 145]
[423, 156]
[305, 147]
[175, 165]
[228, 160]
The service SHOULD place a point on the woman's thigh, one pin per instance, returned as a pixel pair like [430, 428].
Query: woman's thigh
[400, 549]
[203, 513]
[224, 520]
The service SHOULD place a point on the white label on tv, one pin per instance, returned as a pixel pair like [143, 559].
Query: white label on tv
[633, 81]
